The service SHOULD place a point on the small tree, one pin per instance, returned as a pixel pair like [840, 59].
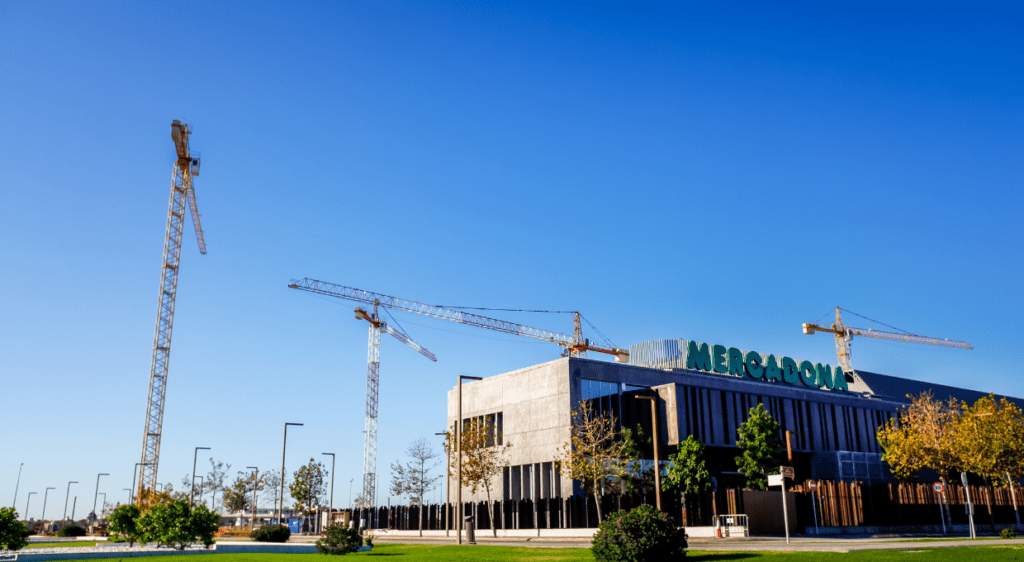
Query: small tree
[177, 524]
[483, 458]
[759, 442]
[124, 523]
[989, 437]
[13, 533]
[688, 471]
[309, 486]
[214, 480]
[339, 539]
[922, 436]
[413, 479]
[593, 453]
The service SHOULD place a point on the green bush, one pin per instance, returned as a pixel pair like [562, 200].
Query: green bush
[641, 535]
[13, 533]
[178, 524]
[272, 533]
[124, 524]
[339, 539]
[71, 531]
[1008, 533]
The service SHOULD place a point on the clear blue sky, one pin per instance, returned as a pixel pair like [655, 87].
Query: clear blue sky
[711, 171]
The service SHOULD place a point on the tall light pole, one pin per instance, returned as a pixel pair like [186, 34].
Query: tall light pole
[27, 502]
[350, 481]
[447, 484]
[654, 430]
[255, 485]
[66, 496]
[331, 519]
[73, 504]
[20, 466]
[96, 495]
[284, 449]
[129, 490]
[102, 505]
[195, 455]
[42, 518]
[137, 465]
[458, 457]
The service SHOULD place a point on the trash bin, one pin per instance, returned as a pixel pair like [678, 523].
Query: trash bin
[470, 530]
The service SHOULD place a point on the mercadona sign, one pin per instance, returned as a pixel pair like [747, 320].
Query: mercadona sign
[731, 361]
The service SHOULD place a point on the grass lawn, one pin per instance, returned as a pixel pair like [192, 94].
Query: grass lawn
[60, 544]
[415, 553]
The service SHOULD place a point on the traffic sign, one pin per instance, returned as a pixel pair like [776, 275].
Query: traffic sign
[786, 471]
[812, 485]
[938, 487]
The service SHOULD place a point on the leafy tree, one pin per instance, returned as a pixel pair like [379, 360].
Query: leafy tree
[482, 457]
[238, 497]
[641, 535]
[124, 523]
[339, 539]
[922, 436]
[13, 533]
[177, 524]
[270, 482]
[989, 439]
[758, 439]
[688, 470]
[413, 479]
[309, 486]
[166, 494]
[593, 453]
[635, 479]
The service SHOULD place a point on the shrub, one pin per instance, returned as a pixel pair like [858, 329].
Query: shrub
[641, 535]
[272, 533]
[71, 531]
[124, 524]
[339, 539]
[13, 533]
[177, 524]
[1008, 533]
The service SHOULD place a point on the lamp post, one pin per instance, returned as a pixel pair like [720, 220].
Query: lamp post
[129, 490]
[200, 487]
[66, 496]
[102, 505]
[18, 483]
[27, 502]
[192, 492]
[447, 484]
[331, 503]
[255, 485]
[284, 449]
[96, 495]
[657, 467]
[136, 473]
[458, 442]
[42, 518]
[73, 504]
[350, 481]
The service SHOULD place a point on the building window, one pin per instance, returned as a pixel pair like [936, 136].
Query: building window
[492, 424]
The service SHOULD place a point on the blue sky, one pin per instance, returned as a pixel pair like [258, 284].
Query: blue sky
[711, 171]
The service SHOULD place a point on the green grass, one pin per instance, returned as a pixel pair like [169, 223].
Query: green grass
[417, 553]
[60, 544]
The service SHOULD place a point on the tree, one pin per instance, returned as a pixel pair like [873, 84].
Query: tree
[688, 471]
[238, 496]
[339, 539]
[309, 486]
[758, 439]
[593, 453]
[989, 439]
[214, 480]
[178, 524]
[124, 523]
[922, 436]
[413, 479]
[636, 479]
[483, 457]
[13, 533]
[270, 482]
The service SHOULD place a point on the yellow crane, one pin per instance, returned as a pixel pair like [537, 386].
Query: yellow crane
[844, 335]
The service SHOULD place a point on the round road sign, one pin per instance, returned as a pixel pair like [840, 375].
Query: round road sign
[938, 487]
[812, 485]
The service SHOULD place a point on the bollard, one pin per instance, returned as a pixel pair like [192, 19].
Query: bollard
[470, 530]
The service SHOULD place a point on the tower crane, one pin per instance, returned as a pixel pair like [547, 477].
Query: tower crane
[575, 346]
[185, 168]
[844, 335]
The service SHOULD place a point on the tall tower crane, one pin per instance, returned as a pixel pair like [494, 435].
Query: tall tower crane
[844, 335]
[575, 346]
[185, 168]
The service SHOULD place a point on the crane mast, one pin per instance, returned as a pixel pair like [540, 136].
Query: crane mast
[182, 194]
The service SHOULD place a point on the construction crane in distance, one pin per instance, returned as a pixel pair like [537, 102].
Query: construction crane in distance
[844, 335]
[185, 168]
[575, 346]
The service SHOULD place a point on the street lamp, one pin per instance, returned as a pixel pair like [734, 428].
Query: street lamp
[255, 485]
[654, 429]
[331, 519]
[129, 490]
[447, 484]
[102, 505]
[192, 492]
[136, 473]
[20, 466]
[458, 442]
[27, 502]
[350, 481]
[284, 448]
[96, 495]
[42, 518]
[66, 496]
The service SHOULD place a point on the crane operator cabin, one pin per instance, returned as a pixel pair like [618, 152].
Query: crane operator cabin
[701, 389]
